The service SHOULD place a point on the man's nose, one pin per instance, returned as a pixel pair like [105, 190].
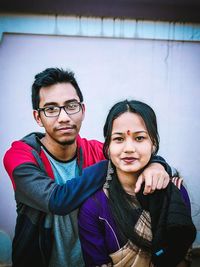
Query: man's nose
[63, 116]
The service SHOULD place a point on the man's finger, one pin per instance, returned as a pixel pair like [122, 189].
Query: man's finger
[139, 182]
[154, 183]
[166, 181]
[148, 185]
[160, 182]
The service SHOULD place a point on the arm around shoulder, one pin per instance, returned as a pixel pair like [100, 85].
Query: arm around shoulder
[33, 187]
[71, 195]
[161, 160]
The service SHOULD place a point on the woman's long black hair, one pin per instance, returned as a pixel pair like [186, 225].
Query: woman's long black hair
[121, 204]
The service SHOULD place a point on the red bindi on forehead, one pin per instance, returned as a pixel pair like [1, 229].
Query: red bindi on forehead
[128, 132]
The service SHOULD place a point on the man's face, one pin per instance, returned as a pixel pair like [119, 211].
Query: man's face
[64, 128]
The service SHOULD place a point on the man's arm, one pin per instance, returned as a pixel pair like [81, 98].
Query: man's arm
[155, 176]
[33, 187]
[161, 161]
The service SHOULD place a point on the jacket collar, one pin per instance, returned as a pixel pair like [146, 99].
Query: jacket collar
[33, 138]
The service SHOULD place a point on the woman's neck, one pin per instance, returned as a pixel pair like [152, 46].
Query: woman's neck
[128, 181]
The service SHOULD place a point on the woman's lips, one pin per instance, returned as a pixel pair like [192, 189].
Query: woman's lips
[129, 159]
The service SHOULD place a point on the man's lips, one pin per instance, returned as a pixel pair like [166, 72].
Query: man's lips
[66, 129]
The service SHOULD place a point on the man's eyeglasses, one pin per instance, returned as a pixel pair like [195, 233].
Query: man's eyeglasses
[54, 111]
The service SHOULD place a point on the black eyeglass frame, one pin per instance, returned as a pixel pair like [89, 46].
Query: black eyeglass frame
[60, 107]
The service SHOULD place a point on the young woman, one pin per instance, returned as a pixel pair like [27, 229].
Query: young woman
[120, 228]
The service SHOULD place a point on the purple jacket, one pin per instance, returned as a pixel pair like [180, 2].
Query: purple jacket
[97, 230]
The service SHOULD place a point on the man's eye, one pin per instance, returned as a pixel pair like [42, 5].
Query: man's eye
[51, 109]
[72, 106]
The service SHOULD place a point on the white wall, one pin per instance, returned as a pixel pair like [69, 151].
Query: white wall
[165, 74]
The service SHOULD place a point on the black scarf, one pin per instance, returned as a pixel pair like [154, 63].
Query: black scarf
[172, 227]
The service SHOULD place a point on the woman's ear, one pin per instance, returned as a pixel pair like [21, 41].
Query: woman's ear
[108, 153]
[37, 118]
[153, 149]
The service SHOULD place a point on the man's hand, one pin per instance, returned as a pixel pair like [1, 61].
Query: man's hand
[154, 176]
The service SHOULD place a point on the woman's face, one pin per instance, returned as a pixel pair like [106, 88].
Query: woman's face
[130, 147]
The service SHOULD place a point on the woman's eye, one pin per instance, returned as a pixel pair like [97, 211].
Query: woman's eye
[139, 138]
[118, 139]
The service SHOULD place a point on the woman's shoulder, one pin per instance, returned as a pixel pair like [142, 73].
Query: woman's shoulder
[185, 197]
[94, 202]
[183, 192]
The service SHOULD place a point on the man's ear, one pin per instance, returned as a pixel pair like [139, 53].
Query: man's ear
[37, 117]
[83, 111]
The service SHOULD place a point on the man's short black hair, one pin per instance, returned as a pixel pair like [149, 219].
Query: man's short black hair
[51, 76]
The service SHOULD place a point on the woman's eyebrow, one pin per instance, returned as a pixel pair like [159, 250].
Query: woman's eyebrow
[117, 133]
[137, 132]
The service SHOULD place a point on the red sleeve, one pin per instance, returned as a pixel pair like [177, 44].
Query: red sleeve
[18, 154]
[92, 151]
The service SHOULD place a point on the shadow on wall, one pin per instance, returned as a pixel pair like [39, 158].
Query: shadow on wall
[5, 249]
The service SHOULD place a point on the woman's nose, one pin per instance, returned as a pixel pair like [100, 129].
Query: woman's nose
[129, 146]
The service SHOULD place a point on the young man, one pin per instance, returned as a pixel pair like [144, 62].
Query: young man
[42, 166]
